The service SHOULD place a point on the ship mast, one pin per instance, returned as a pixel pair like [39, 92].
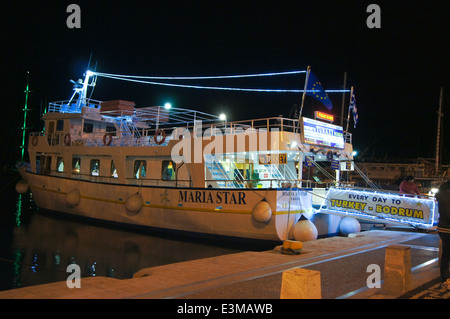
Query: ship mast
[343, 100]
[438, 135]
[81, 90]
[25, 111]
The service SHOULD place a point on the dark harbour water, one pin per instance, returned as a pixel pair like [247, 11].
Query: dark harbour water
[36, 246]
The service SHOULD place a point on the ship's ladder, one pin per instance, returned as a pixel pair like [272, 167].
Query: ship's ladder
[276, 173]
[217, 171]
[127, 128]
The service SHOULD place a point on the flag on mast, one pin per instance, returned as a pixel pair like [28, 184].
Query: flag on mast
[314, 88]
[353, 108]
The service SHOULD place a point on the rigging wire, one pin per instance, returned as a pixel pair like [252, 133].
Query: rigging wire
[201, 77]
[119, 77]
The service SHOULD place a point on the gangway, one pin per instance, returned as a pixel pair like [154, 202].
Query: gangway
[321, 169]
[366, 179]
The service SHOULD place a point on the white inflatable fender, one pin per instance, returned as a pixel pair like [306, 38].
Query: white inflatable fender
[349, 225]
[262, 212]
[304, 230]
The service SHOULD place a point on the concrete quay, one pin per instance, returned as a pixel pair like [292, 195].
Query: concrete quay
[343, 263]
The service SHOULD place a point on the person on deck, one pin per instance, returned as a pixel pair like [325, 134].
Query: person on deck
[443, 198]
[408, 186]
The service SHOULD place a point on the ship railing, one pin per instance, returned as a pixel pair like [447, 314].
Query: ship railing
[158, 182]
[53, 139]
[69, 106]
[134, 136]
[147, 138]
[36, 134]
[275, 183]
[280, 124]
[65, 139]
[235, 127]
[99, 139]
[266, 124]
[77, 176]
[112, 179]
[249, 183]
[214, 129]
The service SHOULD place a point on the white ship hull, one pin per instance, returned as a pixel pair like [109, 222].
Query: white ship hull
[217, 212]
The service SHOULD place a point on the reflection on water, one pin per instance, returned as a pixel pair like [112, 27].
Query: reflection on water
[37, 246]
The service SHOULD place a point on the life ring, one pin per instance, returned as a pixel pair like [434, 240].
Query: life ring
[67, 139]
[107, 139]
[34, 140]
[158, 133]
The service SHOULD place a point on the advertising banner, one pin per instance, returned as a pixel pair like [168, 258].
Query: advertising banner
[322, 134]
[383, 206]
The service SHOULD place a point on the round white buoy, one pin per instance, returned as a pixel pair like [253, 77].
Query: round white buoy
[73, 197]
[304, 230]
[349, 225]
[22, 187]
[134, 203]
[262, 212]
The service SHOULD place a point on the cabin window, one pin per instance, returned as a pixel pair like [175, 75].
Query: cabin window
[168, 171]
[50, 132]
[111, 129]
[88, 128]
[59, 164]
[95, 167]
[59, 125]
[113, 170]
[140, 167]
[76, 165]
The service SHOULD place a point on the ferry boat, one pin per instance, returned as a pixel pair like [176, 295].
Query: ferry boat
[183, 170]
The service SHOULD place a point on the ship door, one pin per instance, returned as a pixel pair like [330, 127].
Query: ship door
[50, 132]
[46, 164]
[243, 172]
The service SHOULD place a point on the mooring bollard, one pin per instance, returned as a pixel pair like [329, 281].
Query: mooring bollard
[298, 283]
[397, 269]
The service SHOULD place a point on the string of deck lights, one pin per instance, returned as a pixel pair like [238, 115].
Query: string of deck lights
[136, 78]
[201, 77]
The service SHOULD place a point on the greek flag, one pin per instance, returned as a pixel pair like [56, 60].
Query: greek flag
[353, 108]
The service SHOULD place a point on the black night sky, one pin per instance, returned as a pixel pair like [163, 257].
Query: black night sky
[397, 70]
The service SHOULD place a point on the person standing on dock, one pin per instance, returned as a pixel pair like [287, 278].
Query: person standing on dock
[443, 198]
[408, 186]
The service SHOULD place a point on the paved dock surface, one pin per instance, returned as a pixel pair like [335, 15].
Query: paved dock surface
[342, 262]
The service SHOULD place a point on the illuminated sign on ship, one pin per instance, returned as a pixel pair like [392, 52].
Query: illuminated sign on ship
[322, 134]
[323, 116]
